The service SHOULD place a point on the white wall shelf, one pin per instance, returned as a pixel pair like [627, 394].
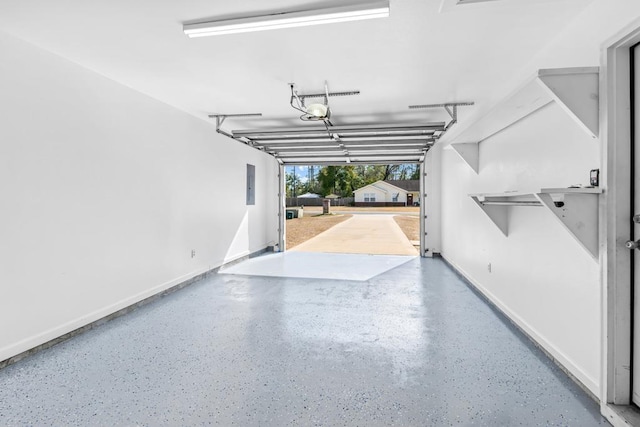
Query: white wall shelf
[469, 152]
[575, 208]
[574, 89]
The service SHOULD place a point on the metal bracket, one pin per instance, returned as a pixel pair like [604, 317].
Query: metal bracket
[220, 118]
[324, 95]
[451, 108]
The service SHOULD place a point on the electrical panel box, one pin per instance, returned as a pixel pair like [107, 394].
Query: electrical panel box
[251, 184]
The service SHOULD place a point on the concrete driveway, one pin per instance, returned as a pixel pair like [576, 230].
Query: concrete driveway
[362, 234]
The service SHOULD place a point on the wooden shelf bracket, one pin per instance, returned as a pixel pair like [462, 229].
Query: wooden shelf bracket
[576, 209]
[579, 216]
[498, 214]
[469, 152]
[575, 90]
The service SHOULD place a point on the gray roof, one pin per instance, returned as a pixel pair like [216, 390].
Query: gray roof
[405, 184]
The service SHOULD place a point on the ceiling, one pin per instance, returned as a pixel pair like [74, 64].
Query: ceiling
[426, 52]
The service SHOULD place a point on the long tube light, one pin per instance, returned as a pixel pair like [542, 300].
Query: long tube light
[378, 9]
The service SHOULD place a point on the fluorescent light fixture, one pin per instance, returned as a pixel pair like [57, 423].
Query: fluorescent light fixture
[379, 9]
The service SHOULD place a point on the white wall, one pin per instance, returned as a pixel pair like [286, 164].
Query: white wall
[540, 276]
[402, 196]
[104, 194]
[392, 191]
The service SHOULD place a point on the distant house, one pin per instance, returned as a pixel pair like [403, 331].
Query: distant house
[411, 186]
[388, 193]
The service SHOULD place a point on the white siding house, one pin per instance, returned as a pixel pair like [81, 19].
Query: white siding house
[411, 188]
[380, 193]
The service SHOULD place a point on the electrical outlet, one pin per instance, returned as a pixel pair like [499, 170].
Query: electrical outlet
[193, 253]
[489, 267]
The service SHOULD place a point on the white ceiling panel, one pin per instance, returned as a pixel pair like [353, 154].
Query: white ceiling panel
[418, 55]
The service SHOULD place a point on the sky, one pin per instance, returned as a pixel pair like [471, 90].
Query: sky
[301, 171]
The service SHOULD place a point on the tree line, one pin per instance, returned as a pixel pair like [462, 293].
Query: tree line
[343, 180]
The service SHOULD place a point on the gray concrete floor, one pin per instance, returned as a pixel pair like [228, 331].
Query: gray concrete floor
[362, 234]
[413, 346]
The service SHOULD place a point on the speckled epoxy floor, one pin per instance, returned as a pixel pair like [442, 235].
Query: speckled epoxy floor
[411, 347]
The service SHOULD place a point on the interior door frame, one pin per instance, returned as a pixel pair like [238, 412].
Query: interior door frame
[615, 227]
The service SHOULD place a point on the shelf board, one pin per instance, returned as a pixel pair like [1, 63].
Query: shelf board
[574, 89]
[508, 195]
[576, 209]
[572, 190]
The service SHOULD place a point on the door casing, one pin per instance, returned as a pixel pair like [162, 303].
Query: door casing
[615, 226]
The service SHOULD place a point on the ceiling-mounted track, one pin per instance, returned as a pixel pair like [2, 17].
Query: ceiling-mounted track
[357, 144]
[364, 144]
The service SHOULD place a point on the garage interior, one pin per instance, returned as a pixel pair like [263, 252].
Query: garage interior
[126, 145]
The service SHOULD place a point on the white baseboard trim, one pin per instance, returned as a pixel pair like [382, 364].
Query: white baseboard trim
[588, 384]
[21, 349]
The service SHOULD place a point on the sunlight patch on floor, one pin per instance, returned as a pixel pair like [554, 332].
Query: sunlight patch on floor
[318, 265]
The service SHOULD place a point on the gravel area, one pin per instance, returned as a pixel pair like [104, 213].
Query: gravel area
[410, 226]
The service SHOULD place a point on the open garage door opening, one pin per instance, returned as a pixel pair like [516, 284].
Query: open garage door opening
[363, 209]
[352, 150]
